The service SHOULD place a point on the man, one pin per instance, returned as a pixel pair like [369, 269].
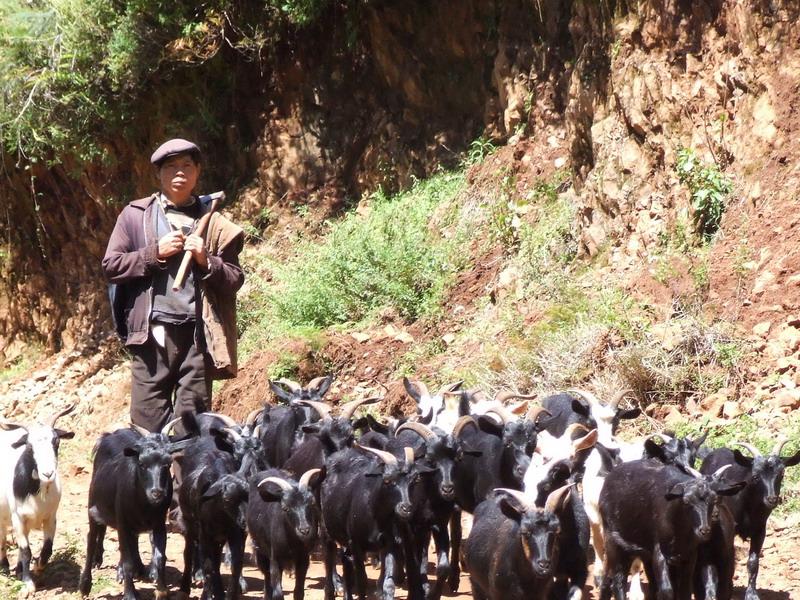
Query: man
[180, 340]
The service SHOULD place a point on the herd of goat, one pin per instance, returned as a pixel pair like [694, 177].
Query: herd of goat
[542, 481]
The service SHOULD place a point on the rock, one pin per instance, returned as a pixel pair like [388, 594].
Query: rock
[762, 329]
[713, 404]
[775, 350]
[794, 320]
[786, 399]
[731, 410]
[448, 339]
[360, 337]
[787, 381]
[783, 364]
[673, 417]
[763, 281]
[790, 337]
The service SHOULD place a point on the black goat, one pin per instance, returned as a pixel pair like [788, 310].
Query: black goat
[131, 490]
[512, 548]
[282, 518]
[366, 505]
[716, 559]
[659, 514]
[681, 452]
[280, 426]
[752, 507]
[213, 501]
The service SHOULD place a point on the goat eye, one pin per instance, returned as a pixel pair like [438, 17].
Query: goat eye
[386, 481]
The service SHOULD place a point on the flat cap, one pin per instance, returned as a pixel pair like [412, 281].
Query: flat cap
[173, 148]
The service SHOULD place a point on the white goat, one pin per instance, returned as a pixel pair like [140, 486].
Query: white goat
[30, 490]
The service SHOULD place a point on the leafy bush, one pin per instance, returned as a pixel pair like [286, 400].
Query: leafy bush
[709, 188]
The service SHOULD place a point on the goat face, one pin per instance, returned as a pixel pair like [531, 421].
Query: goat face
[43, 442]
[298, 506]
[701, 495]
[441, 455]
[396, 481]
[538, 531]
[766, 475]
[152, 465]
[231, 492]
[681, 452]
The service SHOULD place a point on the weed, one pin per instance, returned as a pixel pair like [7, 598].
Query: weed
[285, 366]
[709, 189]
[479, 149]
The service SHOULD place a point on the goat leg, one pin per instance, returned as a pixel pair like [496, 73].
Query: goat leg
[85, 583]
[756, 544]
[300, 570]
[455, 541]
[236, 549]
[159, 561]
[23, 569]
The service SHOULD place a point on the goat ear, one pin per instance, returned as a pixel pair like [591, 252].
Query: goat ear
[741, 459]
[20, 442]
[426, 419]
[212, 490]
[130, 451]
[376, 473]
[64, 435]
[310, 428]
[270, 491]
[653, 450]
[412, 390]
[323, 386]
[675, 492]
[581, 407]
[543, 422]
[180, 446]
[470, 451]
[464, 407]
[631, 413]
[376, 425]
[360, 423]
[726, 488]
[791, 461]
[511, 507]
[488, 425]
[281, 393]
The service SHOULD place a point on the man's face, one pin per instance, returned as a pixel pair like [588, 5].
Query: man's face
[178, 176]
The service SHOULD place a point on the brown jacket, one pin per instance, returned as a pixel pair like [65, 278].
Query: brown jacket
[130, 262]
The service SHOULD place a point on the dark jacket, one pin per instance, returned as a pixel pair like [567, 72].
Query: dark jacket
[130, 261]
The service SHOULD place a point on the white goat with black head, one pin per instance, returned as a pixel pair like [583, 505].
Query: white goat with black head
[31, 489]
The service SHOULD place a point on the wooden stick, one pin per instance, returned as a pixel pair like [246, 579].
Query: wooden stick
[180, 278]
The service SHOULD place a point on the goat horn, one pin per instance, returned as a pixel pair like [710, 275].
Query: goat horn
[224, 418]
[387, 457]
[322, 408]
[720, 471]
[168, 427]
[303, 483]
[423, 389]
[6, 426]
[51, 420]
[534, 412]
[257, 431]
[314, 383]
[587, 441]
[234, 434]
[423, 430]
[749, 447]
[284, 485]
[449, 388]
[779, 446]
[501, 411]
[522, 498]
[508, 395]
[409, 455]
[349, 408]
[555, 498]
[573, 427]
[588, 396]
[461, 423]
[291, 384]
[614, 402]
[144, 432]
[694, 472]
[252, 416]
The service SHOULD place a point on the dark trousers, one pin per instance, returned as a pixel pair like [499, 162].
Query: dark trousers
[168, 381]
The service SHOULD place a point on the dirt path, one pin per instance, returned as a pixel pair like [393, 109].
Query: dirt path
[779, 577]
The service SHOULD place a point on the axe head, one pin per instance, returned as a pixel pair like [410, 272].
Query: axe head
[207, 199]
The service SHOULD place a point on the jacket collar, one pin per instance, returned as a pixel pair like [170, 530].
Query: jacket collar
[144, 202]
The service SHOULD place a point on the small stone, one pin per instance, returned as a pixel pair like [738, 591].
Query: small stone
[559, 162]
[787, 381]
[360, 337]
[762, 329]
[762, 282]
[713, 404]
[794, 320]
[731, 410]
[783, 364]
[790, 338]
[787, 399]
[673, 417]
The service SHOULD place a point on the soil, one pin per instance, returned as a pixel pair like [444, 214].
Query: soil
[779, 576]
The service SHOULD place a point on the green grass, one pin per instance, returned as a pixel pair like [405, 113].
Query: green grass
[21, 364]
[748, 429]
[394, 258]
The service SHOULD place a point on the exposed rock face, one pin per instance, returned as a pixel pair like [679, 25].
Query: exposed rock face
[340, 110]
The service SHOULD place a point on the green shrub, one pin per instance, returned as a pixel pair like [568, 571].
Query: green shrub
[709, 189]
[390, 258]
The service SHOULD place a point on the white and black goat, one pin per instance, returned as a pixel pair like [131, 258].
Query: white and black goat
[31, 489]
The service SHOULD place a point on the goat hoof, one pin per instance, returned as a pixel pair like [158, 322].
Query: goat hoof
[751, 594]
[243, 585]
[162, 594]
[37, 567]
[28, 589]
[85, 586]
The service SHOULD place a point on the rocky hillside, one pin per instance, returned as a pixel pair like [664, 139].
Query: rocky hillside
[640, 121]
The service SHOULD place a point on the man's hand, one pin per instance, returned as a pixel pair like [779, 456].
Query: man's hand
[170, 244]
[195, 244]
